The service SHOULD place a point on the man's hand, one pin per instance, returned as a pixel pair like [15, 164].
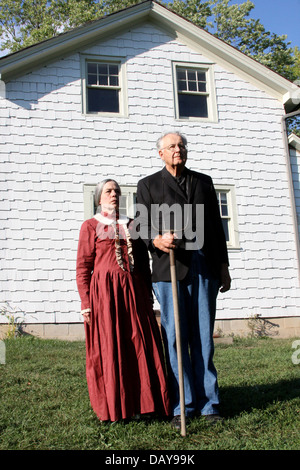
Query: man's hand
[225, 278]
[165, 242]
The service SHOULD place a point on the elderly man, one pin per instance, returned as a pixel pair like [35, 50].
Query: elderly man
[202, 270]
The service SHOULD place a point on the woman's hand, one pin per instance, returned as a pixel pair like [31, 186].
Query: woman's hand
[86, 317]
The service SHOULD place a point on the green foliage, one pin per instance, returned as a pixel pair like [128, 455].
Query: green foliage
[14, 319]
[26, 22]
[196, 11]
[233, 24]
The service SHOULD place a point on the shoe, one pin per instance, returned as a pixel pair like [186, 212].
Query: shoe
[176, 422]
[213, 418]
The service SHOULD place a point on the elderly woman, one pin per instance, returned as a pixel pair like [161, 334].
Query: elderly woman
[124, 360]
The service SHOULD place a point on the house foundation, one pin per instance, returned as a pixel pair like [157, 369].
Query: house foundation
[225, 330]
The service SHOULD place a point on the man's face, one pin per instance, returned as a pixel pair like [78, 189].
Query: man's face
[173, 152]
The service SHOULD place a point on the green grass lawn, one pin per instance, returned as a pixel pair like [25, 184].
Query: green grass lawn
[45, 405]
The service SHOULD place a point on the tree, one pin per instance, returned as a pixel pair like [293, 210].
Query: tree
[197, 11]
[26, 22]
[233, 25]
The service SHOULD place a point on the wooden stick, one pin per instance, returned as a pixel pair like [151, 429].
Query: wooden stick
[178, 341]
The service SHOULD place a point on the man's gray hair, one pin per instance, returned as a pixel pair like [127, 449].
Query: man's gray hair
[99, 189]
[158, 142]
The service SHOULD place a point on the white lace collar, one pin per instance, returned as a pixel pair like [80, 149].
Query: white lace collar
[107, 221]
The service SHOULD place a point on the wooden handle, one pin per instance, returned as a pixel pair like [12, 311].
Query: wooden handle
[178, 340]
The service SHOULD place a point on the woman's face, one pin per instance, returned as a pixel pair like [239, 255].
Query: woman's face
[110, 196]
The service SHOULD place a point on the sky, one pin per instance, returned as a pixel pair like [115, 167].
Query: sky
[278, 16]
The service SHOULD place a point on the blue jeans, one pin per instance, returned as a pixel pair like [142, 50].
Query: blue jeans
[197, 295]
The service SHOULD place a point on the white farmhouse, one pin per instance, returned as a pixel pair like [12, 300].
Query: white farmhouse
[90, 104]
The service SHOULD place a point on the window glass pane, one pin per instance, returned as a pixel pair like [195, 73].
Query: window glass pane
[226, 228]
[113, 69]
[123, 205]
[92, 79]
[192, 86]
[92, 68]
[181, 80]
[201, 86]
[192, 106]
[181, 74]
[201, 76]
[224, 210]
[92, 73]
[103, 100]
[224, 206]
[181, 85]
[103, 80]
[191, 75]
[114, 81]
[192, 80]
[102, 69]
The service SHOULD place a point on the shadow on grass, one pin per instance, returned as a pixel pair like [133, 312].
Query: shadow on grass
[235, 400]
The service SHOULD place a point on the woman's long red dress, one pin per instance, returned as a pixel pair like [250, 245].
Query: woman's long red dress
[124, 359]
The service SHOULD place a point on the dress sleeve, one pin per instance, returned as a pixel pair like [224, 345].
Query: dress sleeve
[85, 262]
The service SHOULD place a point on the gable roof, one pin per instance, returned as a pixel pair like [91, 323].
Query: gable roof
[25, 60]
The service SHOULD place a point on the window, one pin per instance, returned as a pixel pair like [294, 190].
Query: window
[194, 92]
[227, 206]
[103, 86]
[127, 201]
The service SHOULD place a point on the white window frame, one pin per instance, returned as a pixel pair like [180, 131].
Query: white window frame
[88, 199]
[122, 87]
[210, 92]
[233, 242]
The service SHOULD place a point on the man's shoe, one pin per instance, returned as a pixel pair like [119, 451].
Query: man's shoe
[176, 422]
[213, 418]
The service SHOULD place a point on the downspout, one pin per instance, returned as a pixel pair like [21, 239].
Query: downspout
[290, 183]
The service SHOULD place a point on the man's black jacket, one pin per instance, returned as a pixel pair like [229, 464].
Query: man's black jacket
[162, 188]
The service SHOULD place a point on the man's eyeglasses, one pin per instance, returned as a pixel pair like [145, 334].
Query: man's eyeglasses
[172, 147]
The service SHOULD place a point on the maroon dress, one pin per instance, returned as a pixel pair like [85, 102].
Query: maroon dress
[124, 359]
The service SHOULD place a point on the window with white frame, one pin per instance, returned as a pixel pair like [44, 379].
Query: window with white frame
[194, 92]
[126, 206]
[228, 211]
[104, 90]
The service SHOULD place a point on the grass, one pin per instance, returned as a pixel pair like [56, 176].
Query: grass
[45, 405]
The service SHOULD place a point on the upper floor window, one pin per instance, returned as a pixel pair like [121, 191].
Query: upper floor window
[194, 92]
[104, 90]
